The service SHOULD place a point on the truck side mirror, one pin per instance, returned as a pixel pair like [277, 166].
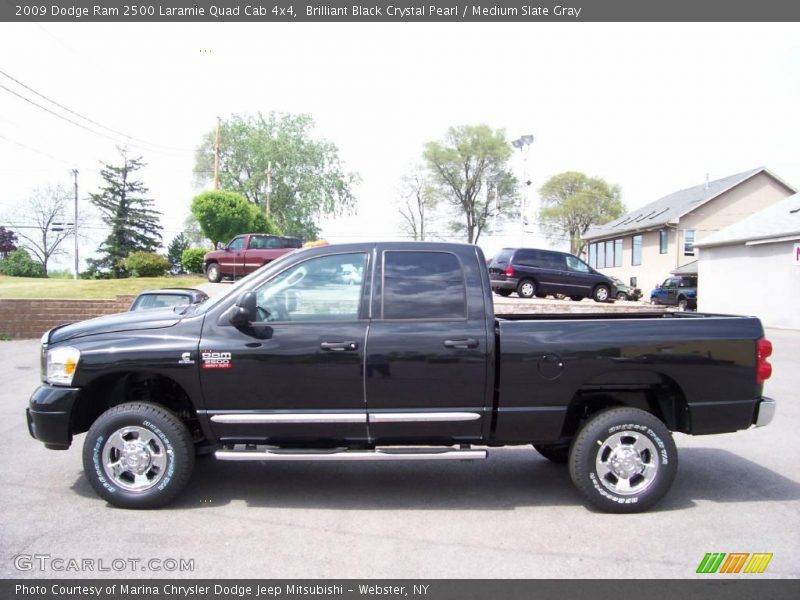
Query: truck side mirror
[244, 311]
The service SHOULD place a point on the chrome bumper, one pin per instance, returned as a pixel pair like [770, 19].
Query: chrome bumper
[765, 412]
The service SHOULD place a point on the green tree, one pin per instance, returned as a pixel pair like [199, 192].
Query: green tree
[19, 263]
[469, 167]
[175, 251]
[146, 264]
[223, 215]
[572, 202]
[192, 259]
[306, 178]
[127, 211]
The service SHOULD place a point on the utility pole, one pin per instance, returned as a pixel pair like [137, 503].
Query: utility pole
[523, 144]
[216, 157]
[269, 188]
[75, 225]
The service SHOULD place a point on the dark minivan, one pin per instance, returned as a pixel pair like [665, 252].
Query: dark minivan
[535, 272]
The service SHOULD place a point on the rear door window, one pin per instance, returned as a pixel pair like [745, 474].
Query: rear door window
[423, 285]
[527, 258]
[501, 258]
[553, 261]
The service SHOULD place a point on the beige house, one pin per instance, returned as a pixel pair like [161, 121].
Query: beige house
[644, 246]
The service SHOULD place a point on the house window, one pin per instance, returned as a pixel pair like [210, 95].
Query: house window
[601, 255]
[634, 281]
[609, 253]
[617, 253]
[662, 241]
[593, 255]
[636, 255]
[688, 242]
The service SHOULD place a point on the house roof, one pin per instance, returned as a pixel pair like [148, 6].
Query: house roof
[779, 221]
[687, 269]
[672, 207]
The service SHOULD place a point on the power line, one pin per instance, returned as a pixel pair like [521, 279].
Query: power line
[127, 138]
[55, 114]
[61, 106]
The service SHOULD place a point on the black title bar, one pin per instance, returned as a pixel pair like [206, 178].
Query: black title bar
[438, 11]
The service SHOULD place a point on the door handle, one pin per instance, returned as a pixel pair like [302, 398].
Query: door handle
[339, 346]
[461, 344]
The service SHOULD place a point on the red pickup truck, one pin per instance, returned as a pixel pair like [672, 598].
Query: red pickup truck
[245, 253]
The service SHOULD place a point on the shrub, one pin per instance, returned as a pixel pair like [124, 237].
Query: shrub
[20, 264]
[192, 259]
[146, 264]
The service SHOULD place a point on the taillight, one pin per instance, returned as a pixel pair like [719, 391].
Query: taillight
[763, 367]
[509, 271]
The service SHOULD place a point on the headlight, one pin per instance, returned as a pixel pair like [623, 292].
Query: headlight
[61, 365]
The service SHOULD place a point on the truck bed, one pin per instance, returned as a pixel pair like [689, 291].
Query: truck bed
[696, 367]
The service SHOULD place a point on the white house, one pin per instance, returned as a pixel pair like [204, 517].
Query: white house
[753, 266]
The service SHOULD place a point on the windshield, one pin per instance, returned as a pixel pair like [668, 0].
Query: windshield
[244, 283]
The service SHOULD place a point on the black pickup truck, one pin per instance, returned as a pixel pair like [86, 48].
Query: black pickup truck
[392, 351]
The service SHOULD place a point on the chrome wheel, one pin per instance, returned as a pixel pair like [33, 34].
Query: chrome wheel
[134, 458]
[527, 289]
[601, 294]
[627, 463]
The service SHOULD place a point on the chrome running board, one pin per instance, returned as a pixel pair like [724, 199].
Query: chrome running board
[341, 454]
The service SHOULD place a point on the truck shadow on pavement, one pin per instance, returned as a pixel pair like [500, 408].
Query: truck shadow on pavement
[507, 480]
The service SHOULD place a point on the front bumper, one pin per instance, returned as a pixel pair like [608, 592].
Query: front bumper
[48, 415]
[765, 412]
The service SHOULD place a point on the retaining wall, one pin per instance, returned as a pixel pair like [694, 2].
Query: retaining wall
[21, 319]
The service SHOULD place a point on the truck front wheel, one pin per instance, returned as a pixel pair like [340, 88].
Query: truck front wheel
[214, 273]
[623, 460]
[138, 455]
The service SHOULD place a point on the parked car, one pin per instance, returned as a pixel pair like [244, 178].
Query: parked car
[167, 297]
[412, 365]
[245, 253]
[534, 272]
[626, 292]
[676, 291]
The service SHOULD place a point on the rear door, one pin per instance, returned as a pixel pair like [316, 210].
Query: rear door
[427, 353]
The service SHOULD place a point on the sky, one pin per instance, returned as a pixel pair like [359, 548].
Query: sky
[653, 108]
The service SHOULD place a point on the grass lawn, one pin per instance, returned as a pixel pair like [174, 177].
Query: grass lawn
[25, 287]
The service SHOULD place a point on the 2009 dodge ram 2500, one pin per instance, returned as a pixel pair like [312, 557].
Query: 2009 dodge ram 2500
[392, 351]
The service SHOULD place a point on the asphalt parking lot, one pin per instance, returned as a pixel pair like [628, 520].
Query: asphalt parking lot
[514, 515]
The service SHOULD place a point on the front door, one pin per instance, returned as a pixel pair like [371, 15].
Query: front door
[295, 374]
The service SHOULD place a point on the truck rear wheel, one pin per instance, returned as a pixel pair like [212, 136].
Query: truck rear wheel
[138, 455]
[623, 460]
[214, 273]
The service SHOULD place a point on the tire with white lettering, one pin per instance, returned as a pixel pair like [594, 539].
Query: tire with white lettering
[623, 460]
[138, 455]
